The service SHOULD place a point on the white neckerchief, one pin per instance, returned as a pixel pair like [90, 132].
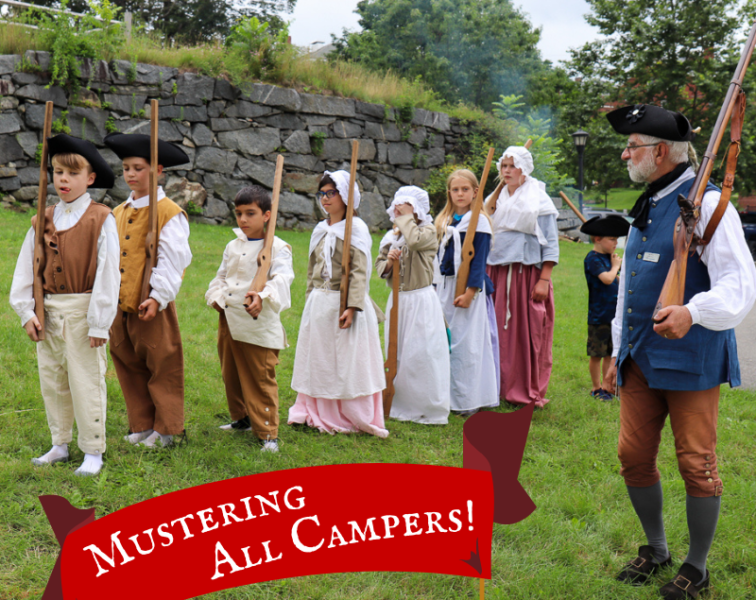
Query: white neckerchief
[453, 232]
[144, 200]
[360, 239]
[520, 211]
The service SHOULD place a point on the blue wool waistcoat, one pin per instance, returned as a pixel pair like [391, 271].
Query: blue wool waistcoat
[703, 358]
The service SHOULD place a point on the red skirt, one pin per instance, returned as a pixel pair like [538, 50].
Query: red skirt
[525, 339]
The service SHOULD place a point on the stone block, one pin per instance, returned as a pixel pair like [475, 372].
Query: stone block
[8, 63]
[182, 191]
[21, 79]
[201, 134]
[257, 169]
[10, 149]
[416, 177]
[94, 70]
[151, 75]
[43, 94]
[417, 136]
[318, 120]
[215, 159]
[308, 162]
[218, 125]
[194, 89]
[373, 211]
[224, 90]
[337, 149]
[120, 191]
[434, 120]
[387, 186]
[283, 121]
[29, 175]
[433, 157]
[10, 184]
[382, 154]
[298, 142]
[223, 187]
[37, 57]
[345, 129]
[193, 114]
[128, 105]
[271, 95]
[386, 132]
[400, 153]
[167, 131]
[301, 182]
[10, 123]
[29, 140]
[377, 111]
[247, 110]
[216, 209]
[8, 171]
[327, 105]
[7, 89]
[256, 141]
[114, 162]
[88, 123]
[295, 204]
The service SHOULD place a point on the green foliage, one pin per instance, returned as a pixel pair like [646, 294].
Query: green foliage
[38, 153]
[110, 125]
[131, 74]
[470, 50]
[193, 210]
[316, 142]
[174, 89]
[263, 50]
[61, 125]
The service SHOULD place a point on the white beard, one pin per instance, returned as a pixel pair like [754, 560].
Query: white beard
[641, 172]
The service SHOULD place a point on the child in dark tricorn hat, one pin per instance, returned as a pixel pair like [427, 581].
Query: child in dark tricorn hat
[602, 266]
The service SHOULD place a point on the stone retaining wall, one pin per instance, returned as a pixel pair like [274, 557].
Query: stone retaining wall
[231, 134]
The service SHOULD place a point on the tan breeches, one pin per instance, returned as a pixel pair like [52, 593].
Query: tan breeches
[71, 374]
[249, 373]
[149, 360]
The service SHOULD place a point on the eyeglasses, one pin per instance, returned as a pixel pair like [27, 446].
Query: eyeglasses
[635, 147]
[328, 194]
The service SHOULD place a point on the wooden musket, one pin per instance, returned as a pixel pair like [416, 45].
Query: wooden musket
[346, 257]
[685, 240]
[151, 241]
[468, 251]
[391, 365]
[573, 207]
[264, 257]
[39, 229]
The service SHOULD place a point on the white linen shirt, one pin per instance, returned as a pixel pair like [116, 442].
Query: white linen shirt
[728, 260]
[231, 284]
[104, 302]
[174, 254]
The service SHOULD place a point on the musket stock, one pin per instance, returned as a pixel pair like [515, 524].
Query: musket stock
[39, 228]
[391, 362]
[151, 241]
[346, 257]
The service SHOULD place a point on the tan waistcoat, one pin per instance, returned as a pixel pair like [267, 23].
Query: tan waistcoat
[71, 254]
[132, 224]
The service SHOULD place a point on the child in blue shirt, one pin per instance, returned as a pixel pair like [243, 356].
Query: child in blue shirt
[602, 266]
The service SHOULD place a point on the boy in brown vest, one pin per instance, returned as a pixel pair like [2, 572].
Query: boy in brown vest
[80, 282]
[145, 338]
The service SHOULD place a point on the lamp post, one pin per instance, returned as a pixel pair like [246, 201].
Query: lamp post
[580, 137]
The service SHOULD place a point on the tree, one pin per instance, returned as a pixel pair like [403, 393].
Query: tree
[468, 50]
[679, 54]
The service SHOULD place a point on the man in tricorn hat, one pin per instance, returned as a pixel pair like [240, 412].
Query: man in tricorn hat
[659, 373]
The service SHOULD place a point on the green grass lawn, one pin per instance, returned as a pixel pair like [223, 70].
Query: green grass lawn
[618, 199]
[570, 548]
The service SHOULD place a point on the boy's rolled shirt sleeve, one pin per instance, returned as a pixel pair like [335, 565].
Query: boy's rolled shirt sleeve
[174, 256]
[277, 290]
[103, 305]
[218, 286]
[21, 295]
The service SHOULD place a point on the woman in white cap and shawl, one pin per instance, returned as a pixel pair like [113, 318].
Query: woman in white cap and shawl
[525, 250]
[338, 367]
[423, 372]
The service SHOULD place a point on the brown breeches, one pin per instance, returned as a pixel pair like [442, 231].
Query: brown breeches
[249, 373]
[693, 417]
[149, 361]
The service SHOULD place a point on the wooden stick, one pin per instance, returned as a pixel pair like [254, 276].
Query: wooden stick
[346, 262]
[528, 144]
[391, 365]
[468, 251]
[572, 206]
[39, 230]
[264, 257]
[151, 241]
[482, 589]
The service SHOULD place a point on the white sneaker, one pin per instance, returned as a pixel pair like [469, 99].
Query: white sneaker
[270, 446]
[55, 455]
[155, 440]
[135, 438]
[91, 466]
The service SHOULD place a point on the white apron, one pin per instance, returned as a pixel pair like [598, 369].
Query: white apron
[423, 368]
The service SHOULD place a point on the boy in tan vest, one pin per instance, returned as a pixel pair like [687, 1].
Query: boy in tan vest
[80, 281]
[249, 338]
[145, 338]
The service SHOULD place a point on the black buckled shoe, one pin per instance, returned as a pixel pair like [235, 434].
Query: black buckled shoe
[640, 569]
[685, 584]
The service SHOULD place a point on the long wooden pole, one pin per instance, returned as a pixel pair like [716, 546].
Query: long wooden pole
[573, 207]
[265, 256]
[39, 231]
[346, 257]
[151, 241]
[468, 251]
[391, 361]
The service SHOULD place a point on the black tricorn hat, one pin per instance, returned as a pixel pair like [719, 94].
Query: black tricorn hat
[648, 119]
[126, 145]
[610, 225]
[66, 144]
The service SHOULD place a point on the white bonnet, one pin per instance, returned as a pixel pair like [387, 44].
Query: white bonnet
[341, 179]
[417, 197]
[522, 158]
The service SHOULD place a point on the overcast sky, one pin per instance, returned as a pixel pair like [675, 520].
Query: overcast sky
[562, 23]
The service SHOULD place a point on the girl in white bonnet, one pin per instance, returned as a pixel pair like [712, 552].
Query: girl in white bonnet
[338, 367]
[423, 372]
[525, 250]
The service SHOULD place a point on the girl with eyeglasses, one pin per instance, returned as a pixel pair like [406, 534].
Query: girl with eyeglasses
[338, 367]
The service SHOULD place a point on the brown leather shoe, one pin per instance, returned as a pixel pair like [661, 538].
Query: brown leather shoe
[638, 570]
[685, 584]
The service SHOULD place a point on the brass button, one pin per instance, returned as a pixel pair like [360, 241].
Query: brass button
[630, 346]
[709, 480]
[633, 273]
[653, 205]
[639, 256]
[630, 291]
[708, 465]
[708, 457]
[630, 328]
[131, 221]
[629, 310]
[649, 221]
[266, 422]
[644, 239]
[708, 473]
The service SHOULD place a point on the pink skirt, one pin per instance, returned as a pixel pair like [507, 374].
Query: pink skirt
[525, 341]
[364, 413]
